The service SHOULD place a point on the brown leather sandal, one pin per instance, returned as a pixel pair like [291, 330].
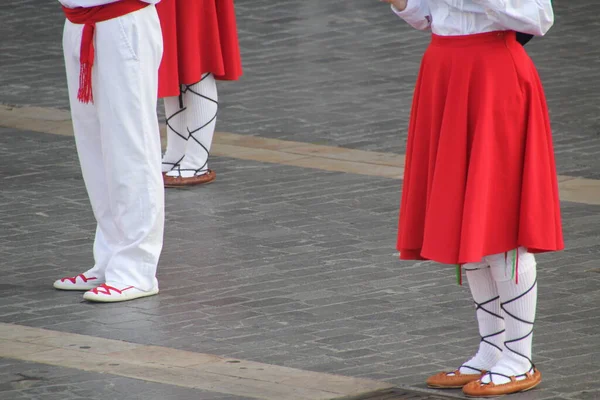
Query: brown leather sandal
[453, 380]
[178, 181]
[491, 389]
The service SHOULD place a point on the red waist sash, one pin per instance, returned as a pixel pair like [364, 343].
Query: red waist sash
[89, 16]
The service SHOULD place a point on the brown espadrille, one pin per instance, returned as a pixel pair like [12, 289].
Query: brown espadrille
[491, 389]
[451, 380]
[179, 182]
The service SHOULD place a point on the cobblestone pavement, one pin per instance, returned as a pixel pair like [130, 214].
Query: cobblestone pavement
[29, 381]
[286, 266]
[337, 73]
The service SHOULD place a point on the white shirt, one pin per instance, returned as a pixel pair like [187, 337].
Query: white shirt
[464, 17]
[93, 3]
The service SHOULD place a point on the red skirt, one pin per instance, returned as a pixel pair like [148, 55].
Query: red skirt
[480, 176]
[199, 36]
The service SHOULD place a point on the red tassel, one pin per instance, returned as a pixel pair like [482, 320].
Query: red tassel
[86, 59]
[84, 94]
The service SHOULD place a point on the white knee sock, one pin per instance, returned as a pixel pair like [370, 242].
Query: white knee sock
[518, 296]
[177, 135]
[201, 104]
[491, 324]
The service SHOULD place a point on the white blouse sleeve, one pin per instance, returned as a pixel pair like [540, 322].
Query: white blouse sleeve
[528, 16]
[416, 14]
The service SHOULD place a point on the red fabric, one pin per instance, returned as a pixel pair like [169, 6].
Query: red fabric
[199, 36]
[89, 16]
[480, 176]
[106, 289]
[82, 276]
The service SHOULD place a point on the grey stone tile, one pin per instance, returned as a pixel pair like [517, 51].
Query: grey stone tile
[313, 78]
[296, 266]
[31, 381]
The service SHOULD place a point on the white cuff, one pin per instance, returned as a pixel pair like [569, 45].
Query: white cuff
[412, 7]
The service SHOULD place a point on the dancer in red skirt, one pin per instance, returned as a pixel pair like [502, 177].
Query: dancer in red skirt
[200, 45]
[480, 188]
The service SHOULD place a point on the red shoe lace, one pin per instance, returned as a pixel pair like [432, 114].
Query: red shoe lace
[105, 289]
[82, 276]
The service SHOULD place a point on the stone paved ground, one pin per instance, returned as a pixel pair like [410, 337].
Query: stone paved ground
[282, 265]
[286, 265]
[338, 73]
[29, 381]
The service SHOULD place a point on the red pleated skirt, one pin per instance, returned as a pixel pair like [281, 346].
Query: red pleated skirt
[480, 176]
[199, 36]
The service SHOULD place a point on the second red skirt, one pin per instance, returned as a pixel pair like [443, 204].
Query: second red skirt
[480, 175]
[199, 36]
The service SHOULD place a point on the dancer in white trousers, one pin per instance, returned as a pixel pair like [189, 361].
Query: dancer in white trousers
[112, 54]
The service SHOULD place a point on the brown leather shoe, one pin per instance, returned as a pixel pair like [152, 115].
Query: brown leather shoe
[178, 181]
[451, 380]
[479, 389]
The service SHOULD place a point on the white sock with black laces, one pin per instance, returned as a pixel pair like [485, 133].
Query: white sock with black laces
[201, 106]
[490, 323]
[516, 278]
[177, 135]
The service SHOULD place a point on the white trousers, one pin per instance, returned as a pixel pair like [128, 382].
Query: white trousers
[118, 144]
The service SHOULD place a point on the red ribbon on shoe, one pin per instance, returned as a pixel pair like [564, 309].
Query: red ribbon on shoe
[89, 16]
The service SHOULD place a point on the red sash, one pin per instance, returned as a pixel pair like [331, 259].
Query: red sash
[88, 16]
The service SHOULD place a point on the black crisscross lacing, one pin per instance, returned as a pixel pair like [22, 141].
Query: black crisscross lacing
[507, 342]
[484, 339]
[176, 166]
[477, 370]
[481, 306]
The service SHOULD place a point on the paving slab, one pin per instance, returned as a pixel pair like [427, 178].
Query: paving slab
[328, 158]
[175, 367]
[288, 265]
[330, 73]
[22, 380]
[284, 266]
